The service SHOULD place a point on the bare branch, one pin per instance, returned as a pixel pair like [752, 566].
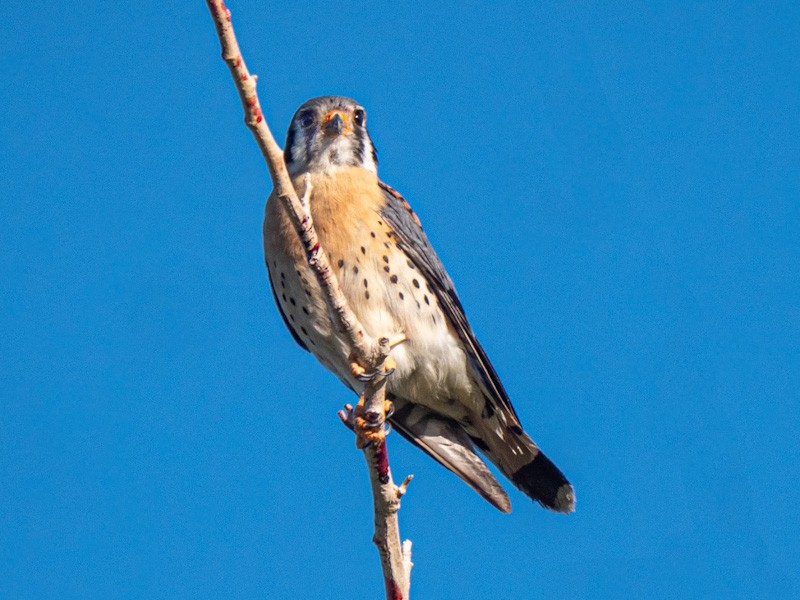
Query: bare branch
[370, 353]
[401, 491]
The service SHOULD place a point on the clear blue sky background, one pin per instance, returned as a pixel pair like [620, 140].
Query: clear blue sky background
[615, 191]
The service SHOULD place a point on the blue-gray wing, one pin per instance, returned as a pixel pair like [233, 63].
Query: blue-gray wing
[413, 241]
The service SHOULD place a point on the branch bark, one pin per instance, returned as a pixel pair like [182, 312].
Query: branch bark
[369, 352]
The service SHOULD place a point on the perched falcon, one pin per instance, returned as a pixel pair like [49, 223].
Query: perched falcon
[447, 396]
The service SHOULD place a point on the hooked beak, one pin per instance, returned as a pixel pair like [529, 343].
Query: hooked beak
[336, 123]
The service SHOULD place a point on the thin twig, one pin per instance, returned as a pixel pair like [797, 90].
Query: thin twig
[370, 353]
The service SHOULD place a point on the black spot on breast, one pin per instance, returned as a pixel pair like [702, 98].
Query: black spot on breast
[291, 317]
[428, 286]
[340, 263]
[416, 283]
[387, 245]
[283, 285]
[363, 250]
[393, 278]
[410, 264]
[385, 258]
[366, 294]
[366, 283]
[304, 281]
[303, 329]
[418, 304]
[373, 234]
[425, 297]
[380, 222]
[283, 275]
[386, 268]
[292, 302]
[401, 295]
[284, 297]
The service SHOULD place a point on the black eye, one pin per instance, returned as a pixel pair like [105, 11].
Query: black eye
[359, 116]
[306, 119]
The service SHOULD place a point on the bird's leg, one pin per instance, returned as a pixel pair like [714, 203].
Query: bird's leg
[366, 431]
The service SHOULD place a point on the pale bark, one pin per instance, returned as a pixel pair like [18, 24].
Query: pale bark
[369, 352]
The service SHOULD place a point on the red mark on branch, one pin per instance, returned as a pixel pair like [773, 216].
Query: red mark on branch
[394, 592]
[382, 457]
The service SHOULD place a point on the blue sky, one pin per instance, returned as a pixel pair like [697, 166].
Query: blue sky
[614, 190]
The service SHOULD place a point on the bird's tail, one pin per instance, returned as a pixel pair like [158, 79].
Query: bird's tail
[448, 443]
[521, 460]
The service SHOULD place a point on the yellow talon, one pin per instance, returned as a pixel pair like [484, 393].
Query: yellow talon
[366, 433]
[356, 369]
[387, 408]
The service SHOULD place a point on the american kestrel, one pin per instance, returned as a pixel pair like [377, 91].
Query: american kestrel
[447, 397]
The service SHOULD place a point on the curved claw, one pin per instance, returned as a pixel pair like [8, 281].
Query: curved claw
[366, 377]
[389, 367]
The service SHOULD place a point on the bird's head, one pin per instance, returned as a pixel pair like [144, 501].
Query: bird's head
[327, 133]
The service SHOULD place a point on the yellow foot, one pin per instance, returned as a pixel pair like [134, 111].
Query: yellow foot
[356, 369]
[361, 374]
[366, 432]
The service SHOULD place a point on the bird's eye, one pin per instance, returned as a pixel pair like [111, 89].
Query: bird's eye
[306, 120]
[359, 116]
